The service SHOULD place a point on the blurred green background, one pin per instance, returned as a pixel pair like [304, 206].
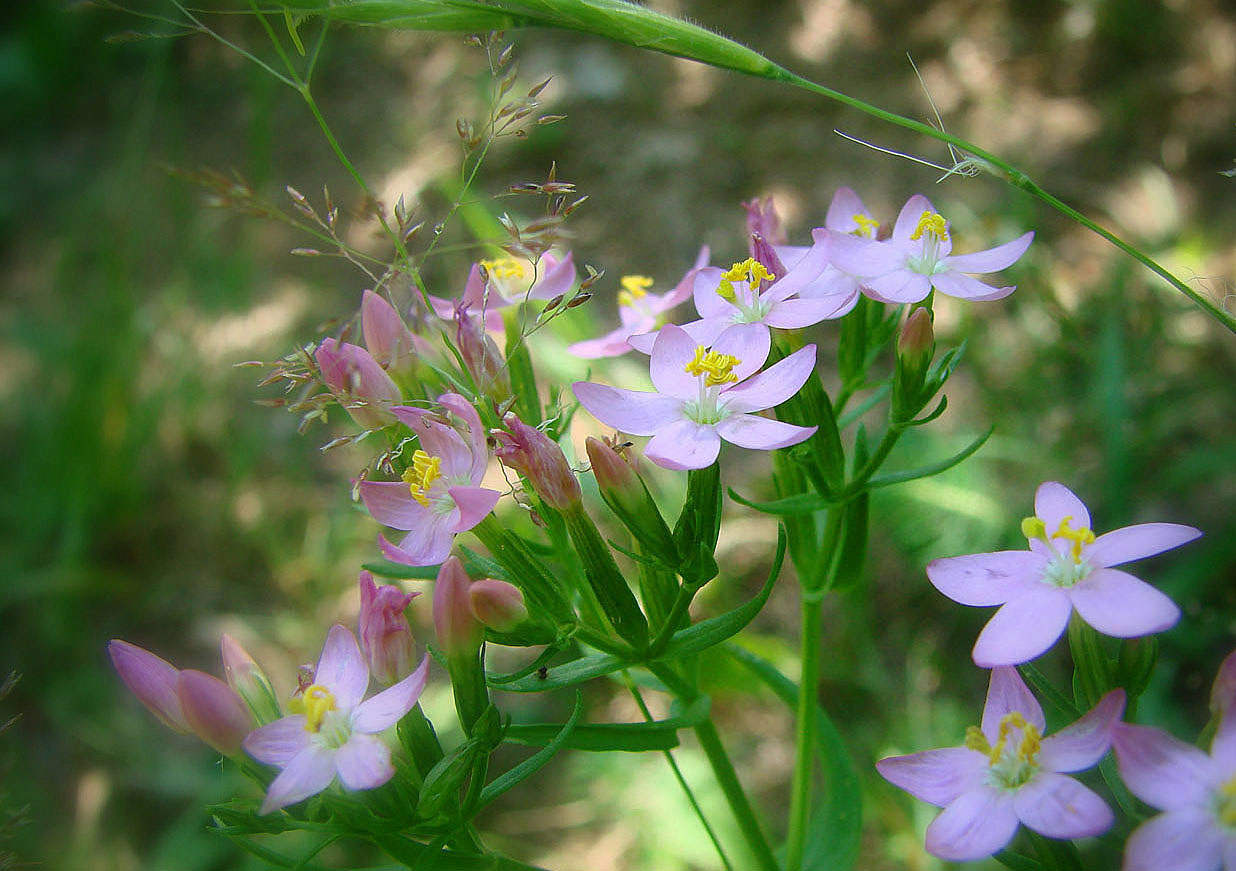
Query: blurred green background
[147, 496]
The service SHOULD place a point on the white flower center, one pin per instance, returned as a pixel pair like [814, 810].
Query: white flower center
[932, 229]
[1013, 761]
[1069, 567]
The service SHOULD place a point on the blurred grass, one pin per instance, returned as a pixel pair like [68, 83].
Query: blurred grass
[146, 497]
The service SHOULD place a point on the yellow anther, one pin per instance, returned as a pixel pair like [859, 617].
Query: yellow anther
[419, 477]
[1031, 738]
[633, 287]
[718, 367]
[505, 267]
[976, 740]
[750, 270]
[317, 700]
[1227, 803]
[866, 226]
[931, 223]
[1079, 537]
[1033, 527]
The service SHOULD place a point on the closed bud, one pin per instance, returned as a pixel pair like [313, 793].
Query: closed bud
[497, 604]
[628, 497]
[763, 251]
[214, 711]
[152, 679]
[915, 347]
[385, 635]
[246, 677]
[538, 458]
[484, 361]
[762, 219]
[386, 337]
[459, 633]
[361, 385]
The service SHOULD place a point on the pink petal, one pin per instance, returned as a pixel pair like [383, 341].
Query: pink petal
[685, 285]
[708, 302]
[671, 353]
[993, 259]
[554, 277]
[631, 411]
[612, 344]
[684, 444]
[440, 439]
[1023, 628]
[1223, 745]
[1059, 807]
[841, 211]
[1082, 744]
[465, 411]
[386, 337]
[706, 330]
[908, 217]
[899, 286]
[308, 773]
[986, 578]
[213, 710]
[980, 822]
[1053, 502]
[152, 679]
[750, 343]
[643, 342]
[774, 385]
[1162, 771]
[1136, 542]
[474, 503]
[391, 504]
[364, 762]
[804, 272]
[761, 433]
[791, 255]
[1181, 840]
[1007, 693]
[279, 742]
[1120, 605]
[967, 287]
[342, 669]
[936, 776]
[388, 707]
[859, 256]
[430, 543]
[793, 314]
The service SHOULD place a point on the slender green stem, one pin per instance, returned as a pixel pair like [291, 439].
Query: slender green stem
[877, 458]
[805, 726]
[682, 601]
[723, 769]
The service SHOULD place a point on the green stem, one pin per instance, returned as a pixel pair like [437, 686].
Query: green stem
[805, 726]
[682, 601]
[723, 769]
[877, 458]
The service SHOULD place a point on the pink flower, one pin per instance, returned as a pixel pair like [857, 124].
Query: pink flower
[538, 458]
[388, 340]
[438, 497]
[704, 396]
[336, 735]
[1066, 568]
[847, 216]
[512, 280]
[1007, 774]
[1196, 791]
[639, 312]
[361, 385]
[384, 631]
[919, 257]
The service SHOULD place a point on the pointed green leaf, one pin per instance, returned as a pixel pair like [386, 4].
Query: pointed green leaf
[931, 468]
[533, 763]
[630, 737]
[568, 674]
[789, 506]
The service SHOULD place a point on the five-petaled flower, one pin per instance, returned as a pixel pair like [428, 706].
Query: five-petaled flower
[705, 395]
[1067, 567]
[918, 257]
[438, 496]
[335, 734]
[495, 284]
[1007, 773]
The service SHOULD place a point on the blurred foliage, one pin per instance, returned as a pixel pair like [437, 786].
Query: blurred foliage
[147, 497]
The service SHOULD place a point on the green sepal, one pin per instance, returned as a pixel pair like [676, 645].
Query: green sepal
[467, 671]
[1093, 669]
[521, 567]
[440, 788]
[639, 513]
[626, 737]
[419, 740]
[698, 525]
[606, 580]
[1135, 664]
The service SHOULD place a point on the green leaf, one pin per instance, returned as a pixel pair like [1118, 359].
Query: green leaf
[498, 680]
[410, 852]
[533, 763]
[836, 823]
[568, 674]
[1017, 861]
[387, 569]
[931, 468]
[711, 632]
[631, 737]
[789, 506]
[854, 544]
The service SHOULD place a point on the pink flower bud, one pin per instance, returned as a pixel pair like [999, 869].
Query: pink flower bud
[214, 711]
[484, 361]
[358, 382]
[246, 677]
[613, 473]
[538, 458]
[917, 337]
[153, 680]
[762, 218]
[385, 634]
[763, 251]
[387, 338]
[459, 633]
[497, 604]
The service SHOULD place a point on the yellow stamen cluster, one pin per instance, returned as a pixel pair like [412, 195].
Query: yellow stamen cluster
[505, 267]
[633, 287]
[314, 704]
[425, 469]
[931, 223]
[1079, 537]
[866, 226]
[717, 367]
[1027, 750]
[1227, 803]
[750, 270]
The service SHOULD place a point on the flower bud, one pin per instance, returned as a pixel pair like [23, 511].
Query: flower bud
[386, 336]
[763, 251]
[362, 386]
[459, 633]
[628, 497]
[484, 361]
[917, 338]
[385, 635]
[497, 604]
[762, 219]
[214, 711]
[538, 458]
[246, 677]
[153, 680]
[915, 347]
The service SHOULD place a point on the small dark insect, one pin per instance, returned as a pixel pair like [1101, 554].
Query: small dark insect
[542, 673]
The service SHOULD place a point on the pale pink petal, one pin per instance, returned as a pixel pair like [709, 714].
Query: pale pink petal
[386, 337]
[364, 762]
[306, 774]
[474, 503]
[391, 504]
[213, 710]
[750, 343]
[909, 216]
[631, 411]
[1223, 745]
[443, 308]
[612, 344]
[1059, 807]
[671, 353]
[1161, 770]
[980, 822]
[474, 291]
[430, 543]
[1053, 502]
[643, 342]
[899, 286]
[342, 668]
[936, 776]
[465, 411]
[793, 314]
[554, 277]
[854, 255]
[791, 254]
[1023, 628]
[774, 385]
[152, 679]
[706, 330]
[1007, 693]
[986, 578]
[804, 272]
[684, 444]
[761, 433]
[841, 211]
[1120, 605]
[440, 439]
[1223, 690]
[967, 287]
[708, 302]
[1182, 840]
[685, 286]
[1082, 744]
[1229, 851]
[279, 742]
[993, 259]
[389, 706]
[1136, 542]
